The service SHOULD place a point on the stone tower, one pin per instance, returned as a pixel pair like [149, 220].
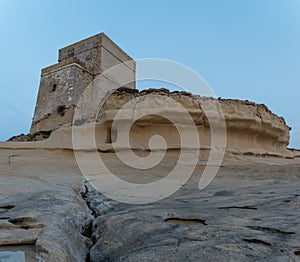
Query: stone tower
[62, 84]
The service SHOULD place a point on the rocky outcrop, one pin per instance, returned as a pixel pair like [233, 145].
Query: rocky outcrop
[41, 205]
[248, 213]
[249, 126]
[232, 220]
[39, 136]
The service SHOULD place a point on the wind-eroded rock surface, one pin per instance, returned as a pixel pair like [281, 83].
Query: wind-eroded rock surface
[41, 205]
[239, 217]
[250, 212]
[247, 128]
[248, 125]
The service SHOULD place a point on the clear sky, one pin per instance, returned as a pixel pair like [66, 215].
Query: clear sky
[245, 49]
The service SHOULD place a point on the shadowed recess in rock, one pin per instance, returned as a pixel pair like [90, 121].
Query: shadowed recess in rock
[240, 207]
[186, 221]
[7, 207]
[256, 241]
[271, 230]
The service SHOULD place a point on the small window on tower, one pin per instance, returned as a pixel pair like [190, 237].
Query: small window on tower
[54, 88]
[61, 110]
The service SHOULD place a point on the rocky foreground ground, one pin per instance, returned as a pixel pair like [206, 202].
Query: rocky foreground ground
[250, 212]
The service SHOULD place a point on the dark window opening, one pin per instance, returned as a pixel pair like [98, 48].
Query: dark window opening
[61, 110]
[54, 88]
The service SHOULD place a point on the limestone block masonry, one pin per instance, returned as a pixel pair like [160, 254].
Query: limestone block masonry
[62, 84]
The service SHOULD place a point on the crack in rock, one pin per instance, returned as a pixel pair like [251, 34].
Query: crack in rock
[256, 241]
[270, 230]
[239, 207]
[185, 221]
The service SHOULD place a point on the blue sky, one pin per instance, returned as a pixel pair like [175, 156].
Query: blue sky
[246, 49]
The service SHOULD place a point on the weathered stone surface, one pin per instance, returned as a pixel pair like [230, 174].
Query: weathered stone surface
[250, 212]
[40, 203]
[250, 128]
[248, 125]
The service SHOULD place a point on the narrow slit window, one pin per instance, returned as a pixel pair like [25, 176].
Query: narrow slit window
[54, 88]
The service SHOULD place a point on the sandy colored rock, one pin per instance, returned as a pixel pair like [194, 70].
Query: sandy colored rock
[249, 126]
[249, 212]
[40, 203]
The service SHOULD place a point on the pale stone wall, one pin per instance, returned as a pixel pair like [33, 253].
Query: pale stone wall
[62, 84]
[59, 88]
[54, 119]
[92, 50]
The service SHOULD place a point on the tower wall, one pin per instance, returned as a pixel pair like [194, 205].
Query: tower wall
[62, 84]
